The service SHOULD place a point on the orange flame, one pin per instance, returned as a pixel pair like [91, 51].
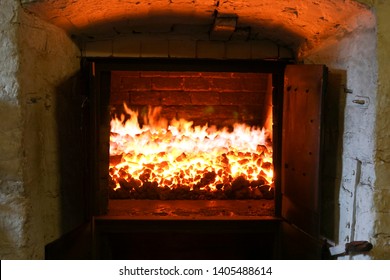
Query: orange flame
[176, 153]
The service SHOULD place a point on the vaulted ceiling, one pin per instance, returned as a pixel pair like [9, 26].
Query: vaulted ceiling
[297, 24]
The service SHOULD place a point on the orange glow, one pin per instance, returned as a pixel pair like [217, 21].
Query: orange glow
[176, 153]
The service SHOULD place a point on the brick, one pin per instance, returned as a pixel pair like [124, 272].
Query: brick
[228, 84]
[118, 97]
[242, 98]
[115, 82]
[145, 98]
[98, 49]
[238, 50]
[198, 112]
[254, 85]
[153, 74]
[185, 74]
[205, 98]
[170, 112]
[126, 47]
[170, 74]
[175, 98]
[225, 122]
[125, 74]
[256, 76]
[210, 49]
[190, 112]
[253, 115]
[116, 78]
[217, 74]
[264, 49]
[167, 83]
[197, 84]
[182, 48]
[136, 84]
[154, 48]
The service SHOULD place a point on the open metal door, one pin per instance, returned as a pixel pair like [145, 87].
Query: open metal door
[301, 148]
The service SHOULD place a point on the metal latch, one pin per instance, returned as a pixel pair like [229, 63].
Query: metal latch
[351, 248]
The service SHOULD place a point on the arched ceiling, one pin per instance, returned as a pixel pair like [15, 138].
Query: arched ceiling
[293, 23]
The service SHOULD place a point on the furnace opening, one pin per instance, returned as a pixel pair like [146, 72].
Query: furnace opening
[174, 139]
[192, 135]
[154, 114]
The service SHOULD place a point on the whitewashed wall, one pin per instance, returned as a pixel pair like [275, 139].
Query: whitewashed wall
[355, 57]
[35, 60]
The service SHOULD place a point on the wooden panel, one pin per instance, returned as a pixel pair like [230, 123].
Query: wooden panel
[301, 145]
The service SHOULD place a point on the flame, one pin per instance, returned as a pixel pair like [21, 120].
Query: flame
[176, 153]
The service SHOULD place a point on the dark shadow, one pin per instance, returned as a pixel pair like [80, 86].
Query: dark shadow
[74, 245]
[164, 24]
[76, 239]
[186, 239]
[334, 107]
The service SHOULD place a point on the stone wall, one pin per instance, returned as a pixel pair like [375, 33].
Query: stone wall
[13, 201]
[38, 62]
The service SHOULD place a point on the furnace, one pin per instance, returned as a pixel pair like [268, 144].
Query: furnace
[55, 134]
[191, 142]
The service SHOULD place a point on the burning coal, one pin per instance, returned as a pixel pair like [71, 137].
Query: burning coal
[175, 160]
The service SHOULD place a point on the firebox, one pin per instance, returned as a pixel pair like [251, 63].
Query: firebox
[204, 159]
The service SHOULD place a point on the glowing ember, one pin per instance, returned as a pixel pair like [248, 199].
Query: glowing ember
[176, 155]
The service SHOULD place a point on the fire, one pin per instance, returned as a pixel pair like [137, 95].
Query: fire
[177, 155]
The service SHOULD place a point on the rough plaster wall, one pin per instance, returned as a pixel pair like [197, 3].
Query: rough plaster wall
[375, 179]
[48, 61]
[291, 23]
[35, 58]
[355, 57]
[374, 188]
[13, 201]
